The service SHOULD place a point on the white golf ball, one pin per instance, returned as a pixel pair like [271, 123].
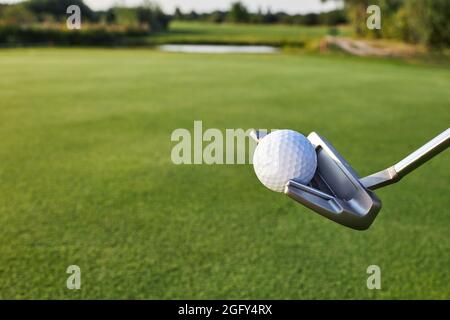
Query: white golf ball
[283, 155]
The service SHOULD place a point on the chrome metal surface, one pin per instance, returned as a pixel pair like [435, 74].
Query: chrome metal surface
[335, 191]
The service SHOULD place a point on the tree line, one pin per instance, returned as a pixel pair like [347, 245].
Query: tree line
[415, 21]
[238, 13]
[39, 22]
[30, 12]
[34, 11]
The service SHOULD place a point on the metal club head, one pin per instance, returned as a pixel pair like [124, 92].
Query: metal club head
[339, 194]
[335, 191]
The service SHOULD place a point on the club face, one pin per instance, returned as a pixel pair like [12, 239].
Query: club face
[335, 191]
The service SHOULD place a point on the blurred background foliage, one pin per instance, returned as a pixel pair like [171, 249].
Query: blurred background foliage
[413, 21]
[423, 22]
[44, 22]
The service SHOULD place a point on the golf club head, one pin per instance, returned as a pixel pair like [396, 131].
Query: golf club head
[339, 194]
[335, 191]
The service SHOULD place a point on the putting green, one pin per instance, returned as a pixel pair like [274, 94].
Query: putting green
[87, 180]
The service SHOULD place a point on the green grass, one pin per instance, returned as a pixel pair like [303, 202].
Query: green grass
[209, 33]
[86, 177]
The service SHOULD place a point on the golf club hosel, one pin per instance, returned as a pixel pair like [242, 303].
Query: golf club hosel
[413, 161]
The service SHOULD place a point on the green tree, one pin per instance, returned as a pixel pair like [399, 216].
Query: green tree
[258, 17]
[16, 14]
[178, 15]
[217, 17]
[192, 15]
[152, 16]
[125, 16]
[269, 17]
[417, 21]
[311, 19]
[333, 18]
[57, 9]
[428, 22]
[238, 13]
[110, 16]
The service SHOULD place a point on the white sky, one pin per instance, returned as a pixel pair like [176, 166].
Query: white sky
[291, 6]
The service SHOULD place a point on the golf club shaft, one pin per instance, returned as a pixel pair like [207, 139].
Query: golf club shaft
[423, 154]
[408, 164]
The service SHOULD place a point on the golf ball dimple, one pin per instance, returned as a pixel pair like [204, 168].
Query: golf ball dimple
[284, 155]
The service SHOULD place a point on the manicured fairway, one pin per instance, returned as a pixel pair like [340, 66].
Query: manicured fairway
[278, 35]
[86, 177]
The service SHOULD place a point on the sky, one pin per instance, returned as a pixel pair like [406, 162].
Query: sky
[290, 6]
